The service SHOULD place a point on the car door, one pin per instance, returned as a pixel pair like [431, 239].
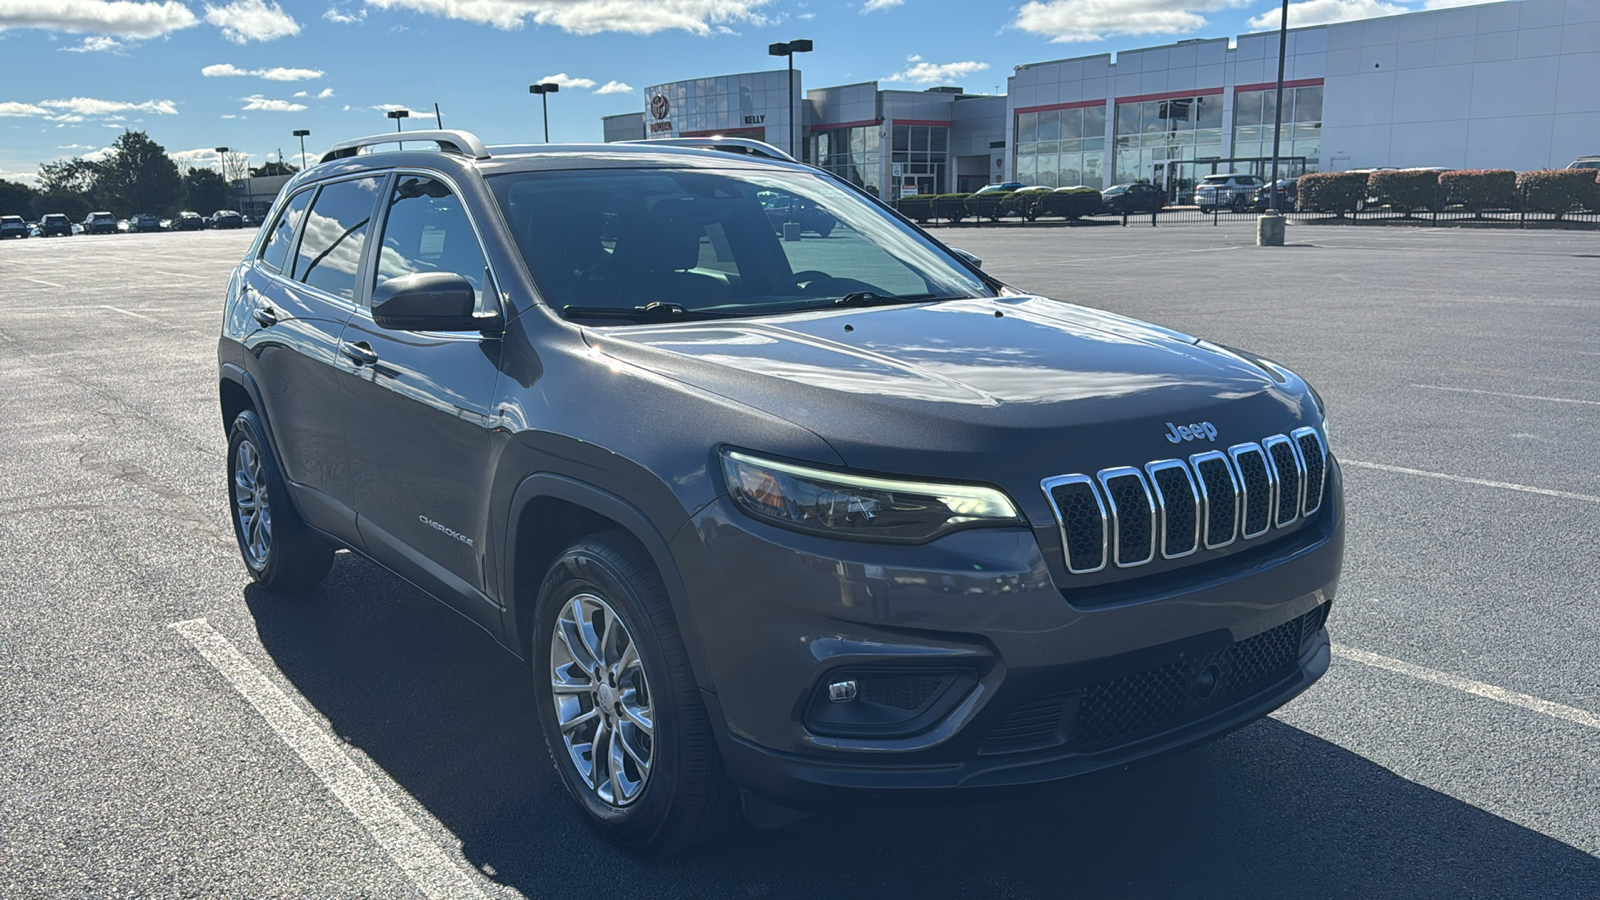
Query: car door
[420, 421]
[298, 293]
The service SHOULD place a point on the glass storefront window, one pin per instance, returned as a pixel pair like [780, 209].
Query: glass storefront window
[1061, 148]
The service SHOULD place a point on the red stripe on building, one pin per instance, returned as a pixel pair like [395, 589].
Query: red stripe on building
[945, 123]
[1272, 85]
[1171, 95]
[1081, 104]
[830, 126]
[725, 132]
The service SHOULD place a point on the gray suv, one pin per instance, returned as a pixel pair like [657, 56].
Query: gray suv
[776, 520]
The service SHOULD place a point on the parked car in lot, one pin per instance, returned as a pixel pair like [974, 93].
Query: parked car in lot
[100, 223]
[143, 222]
[1132, 198]
[55, 224]
[770, 521]
[188, 221]
[1226, 191]
[13, 227]
[226, 218]
[1585, 162]
[782, 208]
[1000, 186]
[1286, 191]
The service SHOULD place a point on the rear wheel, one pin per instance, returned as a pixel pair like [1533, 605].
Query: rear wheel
[281, 552]
[621, 712]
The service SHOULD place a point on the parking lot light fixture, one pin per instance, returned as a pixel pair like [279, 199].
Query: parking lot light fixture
[301, 134]
[787, 50]
[544, 91]
[397, 115]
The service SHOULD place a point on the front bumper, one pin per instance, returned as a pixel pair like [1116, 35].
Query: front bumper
[1028, 686]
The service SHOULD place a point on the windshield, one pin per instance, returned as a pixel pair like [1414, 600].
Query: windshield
[607, 244]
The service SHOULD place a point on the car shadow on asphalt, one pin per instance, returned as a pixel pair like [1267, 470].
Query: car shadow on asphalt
[1269, 811]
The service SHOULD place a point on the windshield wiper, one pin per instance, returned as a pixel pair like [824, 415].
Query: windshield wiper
[650, 312]
[873, 298]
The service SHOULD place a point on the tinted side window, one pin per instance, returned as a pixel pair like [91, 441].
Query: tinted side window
[427, 231]
[276, 252]
[335, 231]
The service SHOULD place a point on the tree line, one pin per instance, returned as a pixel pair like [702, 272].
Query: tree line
[135, 176]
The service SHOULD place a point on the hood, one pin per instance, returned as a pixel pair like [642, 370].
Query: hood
[950, 388]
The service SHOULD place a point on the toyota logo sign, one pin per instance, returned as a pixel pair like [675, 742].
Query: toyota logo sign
[659, 107]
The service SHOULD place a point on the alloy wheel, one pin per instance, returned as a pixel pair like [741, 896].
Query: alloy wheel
[602, 700]
[251, 505]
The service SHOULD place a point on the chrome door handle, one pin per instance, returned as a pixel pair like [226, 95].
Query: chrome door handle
[266, 315]
[359, 353]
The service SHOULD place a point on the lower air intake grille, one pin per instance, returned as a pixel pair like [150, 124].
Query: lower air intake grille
[1032, 726]
[900, 693]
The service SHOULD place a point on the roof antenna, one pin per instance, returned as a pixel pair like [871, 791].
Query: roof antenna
[438, 118]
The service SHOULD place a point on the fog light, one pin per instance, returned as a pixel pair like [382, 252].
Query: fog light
[842, 691]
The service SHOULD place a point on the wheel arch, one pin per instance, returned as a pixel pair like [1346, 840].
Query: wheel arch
[550, 512]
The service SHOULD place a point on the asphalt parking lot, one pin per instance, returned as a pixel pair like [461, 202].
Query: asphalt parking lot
[367, 742]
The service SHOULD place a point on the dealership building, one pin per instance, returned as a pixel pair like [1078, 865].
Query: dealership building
[1511, 85]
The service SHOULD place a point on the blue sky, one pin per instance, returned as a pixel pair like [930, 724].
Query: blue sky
[197, 74]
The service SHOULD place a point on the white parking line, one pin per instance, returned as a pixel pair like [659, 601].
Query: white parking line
[1440, 387]
[124, 312]
[434, 874]
[175, 274]
[1483, 482]
[1466, 685]
[42, 281]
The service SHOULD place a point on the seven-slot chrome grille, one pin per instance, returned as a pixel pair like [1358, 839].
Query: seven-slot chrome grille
[1124, 516]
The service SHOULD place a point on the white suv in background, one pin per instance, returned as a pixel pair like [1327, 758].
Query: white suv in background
[1236, 192]
[1585, 162]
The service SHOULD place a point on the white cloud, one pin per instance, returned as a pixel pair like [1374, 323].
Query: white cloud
[28, 177]
[124, 18]
[1442, 4]
[593, 16]
[276, 73]
[199, 155]
[13, 108]
[325, 93]
[929, 73]
[567, 81]
[299, 93]
[340, 17]
[1323, 12]
[875, 5]
[88, 106]
[1073, 21]
[614, 87]
[98, 155]
[231, 116]
[256, 101]
[252, 20]
[94, 43]
[75, 147]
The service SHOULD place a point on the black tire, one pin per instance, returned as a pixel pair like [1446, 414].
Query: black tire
[687, 797]
[291, 557]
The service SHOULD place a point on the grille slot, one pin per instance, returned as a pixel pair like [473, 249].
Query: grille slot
[1290, 471]
[1121, 709]
[1083, 522]
[1256, 484]
[1133, 516]
[1220, 490]
[1315, 458]
[900, 693]
[1031, 726]
[1180, 507]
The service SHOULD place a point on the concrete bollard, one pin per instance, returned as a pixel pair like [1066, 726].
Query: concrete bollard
[1269, 230]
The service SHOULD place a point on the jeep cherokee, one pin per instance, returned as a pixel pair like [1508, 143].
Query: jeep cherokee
[772, 518]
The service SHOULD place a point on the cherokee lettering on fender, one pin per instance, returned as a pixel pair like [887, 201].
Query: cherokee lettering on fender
[449, 531]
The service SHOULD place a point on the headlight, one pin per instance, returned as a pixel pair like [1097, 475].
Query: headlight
[859, 506]
[1322, 412]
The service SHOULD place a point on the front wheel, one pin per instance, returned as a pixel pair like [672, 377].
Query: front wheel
[281, 552]
[621, 713]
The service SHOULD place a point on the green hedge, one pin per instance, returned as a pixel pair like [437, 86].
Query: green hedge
[1480, 190]
[919, 209]
[987, 205]
[1331, 192]
[1559, 191]
[1027, 205]
[949, 206]
[1405, 191]
[1073, 204]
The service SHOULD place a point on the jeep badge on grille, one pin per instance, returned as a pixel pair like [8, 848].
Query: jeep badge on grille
[1181, 433]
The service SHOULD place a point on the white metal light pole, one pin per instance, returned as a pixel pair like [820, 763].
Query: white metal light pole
[544, 91]
[788, 50]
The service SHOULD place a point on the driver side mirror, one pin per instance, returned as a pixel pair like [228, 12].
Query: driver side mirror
[429, 301]
[967, 258]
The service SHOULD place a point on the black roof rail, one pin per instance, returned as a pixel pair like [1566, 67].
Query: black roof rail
[464, 143]
[744, 146]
